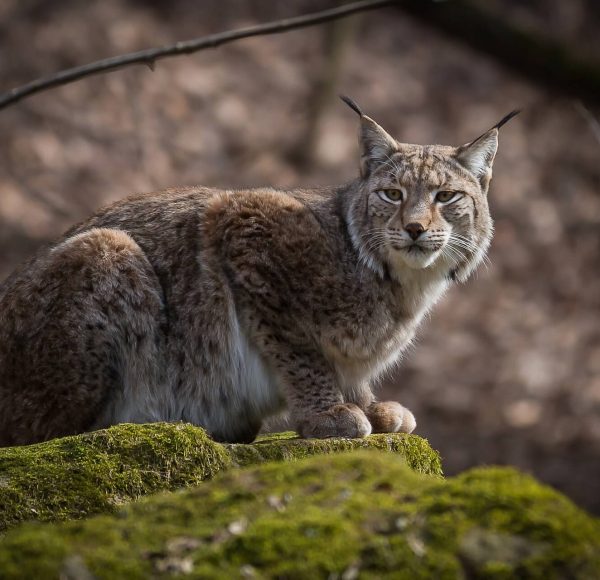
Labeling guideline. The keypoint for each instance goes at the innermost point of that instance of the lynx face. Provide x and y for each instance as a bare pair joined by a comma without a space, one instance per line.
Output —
425,209
422,207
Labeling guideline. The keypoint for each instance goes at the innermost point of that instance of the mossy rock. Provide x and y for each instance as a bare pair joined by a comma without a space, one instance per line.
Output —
96,472
363,514
289,447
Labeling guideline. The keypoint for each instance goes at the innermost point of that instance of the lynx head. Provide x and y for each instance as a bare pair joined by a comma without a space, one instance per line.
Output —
418,206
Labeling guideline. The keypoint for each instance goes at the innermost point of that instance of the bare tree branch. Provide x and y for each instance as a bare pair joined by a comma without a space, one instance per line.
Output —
149,56
540,59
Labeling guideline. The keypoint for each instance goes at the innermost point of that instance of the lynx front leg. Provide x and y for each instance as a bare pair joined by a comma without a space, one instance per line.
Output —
316,404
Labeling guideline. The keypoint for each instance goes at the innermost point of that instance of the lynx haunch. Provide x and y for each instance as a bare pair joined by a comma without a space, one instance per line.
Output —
222,307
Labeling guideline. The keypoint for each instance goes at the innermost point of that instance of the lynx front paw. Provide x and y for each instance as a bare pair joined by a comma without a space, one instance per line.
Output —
391,417
345,420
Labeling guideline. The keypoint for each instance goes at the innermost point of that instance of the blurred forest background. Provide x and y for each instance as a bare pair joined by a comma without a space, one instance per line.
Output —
507,369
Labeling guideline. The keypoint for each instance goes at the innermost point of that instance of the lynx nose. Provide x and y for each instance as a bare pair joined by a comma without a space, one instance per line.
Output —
414,229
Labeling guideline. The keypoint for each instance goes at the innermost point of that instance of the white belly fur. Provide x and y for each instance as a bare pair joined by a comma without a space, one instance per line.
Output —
251,391
254,387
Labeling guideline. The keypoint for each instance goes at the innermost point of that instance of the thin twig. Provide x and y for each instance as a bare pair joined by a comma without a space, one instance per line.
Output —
149,56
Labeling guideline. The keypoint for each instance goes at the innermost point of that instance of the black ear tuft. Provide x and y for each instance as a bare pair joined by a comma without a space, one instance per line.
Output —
506,119
352,105
499,124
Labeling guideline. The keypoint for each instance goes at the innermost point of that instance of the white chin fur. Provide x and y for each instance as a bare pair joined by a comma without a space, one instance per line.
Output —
415,259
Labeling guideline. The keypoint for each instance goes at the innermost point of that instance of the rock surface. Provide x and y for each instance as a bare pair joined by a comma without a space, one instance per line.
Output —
362,514
96,472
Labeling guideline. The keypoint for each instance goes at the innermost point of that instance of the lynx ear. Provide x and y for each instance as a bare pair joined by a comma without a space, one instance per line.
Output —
376,145
478,156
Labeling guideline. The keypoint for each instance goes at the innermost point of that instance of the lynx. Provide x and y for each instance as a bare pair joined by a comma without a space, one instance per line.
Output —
221,307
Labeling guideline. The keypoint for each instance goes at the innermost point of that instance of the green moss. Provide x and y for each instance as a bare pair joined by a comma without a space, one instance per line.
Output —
96,472
289,447
362,513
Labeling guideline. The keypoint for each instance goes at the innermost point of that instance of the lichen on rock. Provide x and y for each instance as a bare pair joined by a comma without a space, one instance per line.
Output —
363,514
93,473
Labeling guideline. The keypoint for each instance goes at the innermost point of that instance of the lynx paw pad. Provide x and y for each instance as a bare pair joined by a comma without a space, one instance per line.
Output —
391,417
346,420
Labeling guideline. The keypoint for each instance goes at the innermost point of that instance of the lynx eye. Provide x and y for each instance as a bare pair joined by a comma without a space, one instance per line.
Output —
446,196
392,195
